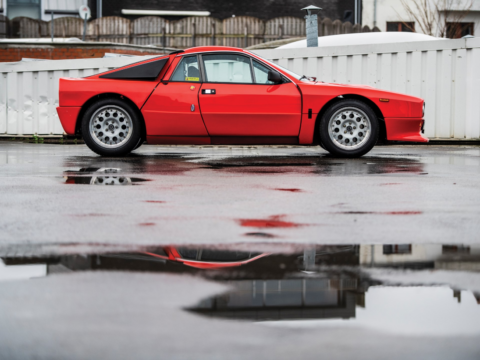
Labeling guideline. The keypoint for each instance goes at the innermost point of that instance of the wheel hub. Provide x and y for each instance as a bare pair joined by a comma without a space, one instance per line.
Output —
349,128
111,126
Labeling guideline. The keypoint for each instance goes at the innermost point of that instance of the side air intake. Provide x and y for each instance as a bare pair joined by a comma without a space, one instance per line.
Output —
148,71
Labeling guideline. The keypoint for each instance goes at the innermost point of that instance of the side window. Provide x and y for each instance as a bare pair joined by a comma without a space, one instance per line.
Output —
227,69
261,73
187,70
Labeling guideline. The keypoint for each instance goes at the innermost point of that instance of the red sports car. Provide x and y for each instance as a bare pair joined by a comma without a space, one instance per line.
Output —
223,95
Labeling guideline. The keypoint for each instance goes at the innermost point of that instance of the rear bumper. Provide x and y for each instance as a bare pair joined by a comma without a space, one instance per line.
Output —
405,129
68,117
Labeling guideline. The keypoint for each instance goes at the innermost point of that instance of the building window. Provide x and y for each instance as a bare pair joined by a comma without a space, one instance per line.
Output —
397,249
458,30
28,8
400,26
455,249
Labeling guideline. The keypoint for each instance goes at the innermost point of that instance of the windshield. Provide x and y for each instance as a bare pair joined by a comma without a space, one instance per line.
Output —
289,72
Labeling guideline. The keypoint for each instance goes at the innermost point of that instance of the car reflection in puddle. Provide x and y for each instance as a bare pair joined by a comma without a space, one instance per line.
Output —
178,163
99,176
325,285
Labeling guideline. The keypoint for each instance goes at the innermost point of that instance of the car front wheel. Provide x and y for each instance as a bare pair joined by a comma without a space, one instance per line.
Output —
349,128
111,127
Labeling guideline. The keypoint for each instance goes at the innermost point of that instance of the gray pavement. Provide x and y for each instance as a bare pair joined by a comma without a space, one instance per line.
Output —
81,235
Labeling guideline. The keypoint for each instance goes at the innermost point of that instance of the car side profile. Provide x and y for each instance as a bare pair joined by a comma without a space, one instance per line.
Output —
230,96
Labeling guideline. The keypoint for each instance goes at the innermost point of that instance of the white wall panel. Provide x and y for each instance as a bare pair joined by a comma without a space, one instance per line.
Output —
472,128
460,92
43,102
3,103
12,101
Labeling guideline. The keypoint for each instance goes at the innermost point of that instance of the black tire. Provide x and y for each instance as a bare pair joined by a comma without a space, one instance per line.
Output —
321,145
131,121
356,146
140,143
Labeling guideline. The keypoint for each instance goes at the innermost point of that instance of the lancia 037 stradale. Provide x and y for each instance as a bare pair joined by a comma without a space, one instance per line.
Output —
224,95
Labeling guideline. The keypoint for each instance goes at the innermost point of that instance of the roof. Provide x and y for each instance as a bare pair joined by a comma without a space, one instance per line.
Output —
362,39
211,48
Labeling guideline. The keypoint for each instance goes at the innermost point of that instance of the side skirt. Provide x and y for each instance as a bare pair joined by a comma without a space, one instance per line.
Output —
222,140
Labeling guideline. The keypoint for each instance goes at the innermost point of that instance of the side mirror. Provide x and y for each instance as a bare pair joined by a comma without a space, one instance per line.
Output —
275,77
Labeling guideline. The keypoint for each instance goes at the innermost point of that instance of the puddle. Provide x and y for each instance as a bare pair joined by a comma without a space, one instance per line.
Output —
409,311
21,272
100,176
314,286
321,165
180,163
277,221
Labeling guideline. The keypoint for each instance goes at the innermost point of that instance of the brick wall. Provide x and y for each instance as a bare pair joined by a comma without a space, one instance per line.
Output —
12,52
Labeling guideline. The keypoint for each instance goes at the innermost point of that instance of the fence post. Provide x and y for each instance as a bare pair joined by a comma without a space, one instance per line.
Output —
213,33
52,26
337,27
164,39
84,27
357,28
347,27
327,26
280,31
245,33
193,34
130,33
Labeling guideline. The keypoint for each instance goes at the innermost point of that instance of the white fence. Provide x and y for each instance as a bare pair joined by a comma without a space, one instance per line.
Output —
446,73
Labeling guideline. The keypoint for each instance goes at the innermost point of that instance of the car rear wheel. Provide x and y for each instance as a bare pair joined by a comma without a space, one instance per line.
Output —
111,127
349,128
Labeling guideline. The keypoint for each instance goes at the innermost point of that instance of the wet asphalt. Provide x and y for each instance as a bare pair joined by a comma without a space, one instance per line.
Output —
61,194
370,258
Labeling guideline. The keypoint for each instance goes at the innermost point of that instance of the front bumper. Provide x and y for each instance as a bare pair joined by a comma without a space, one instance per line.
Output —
405,129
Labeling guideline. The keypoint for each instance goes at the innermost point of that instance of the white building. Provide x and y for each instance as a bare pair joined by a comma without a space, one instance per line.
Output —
418,254
36,9
390,15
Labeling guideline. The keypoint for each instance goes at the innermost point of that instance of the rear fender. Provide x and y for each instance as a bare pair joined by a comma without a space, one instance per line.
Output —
91,101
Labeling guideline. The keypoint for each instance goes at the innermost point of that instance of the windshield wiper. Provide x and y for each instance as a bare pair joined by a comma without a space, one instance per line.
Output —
309,78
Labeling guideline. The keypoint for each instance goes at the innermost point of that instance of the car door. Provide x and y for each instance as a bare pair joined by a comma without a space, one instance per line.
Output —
236,99
172,109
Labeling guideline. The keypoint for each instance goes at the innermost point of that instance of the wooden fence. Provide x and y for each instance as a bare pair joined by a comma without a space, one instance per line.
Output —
240,31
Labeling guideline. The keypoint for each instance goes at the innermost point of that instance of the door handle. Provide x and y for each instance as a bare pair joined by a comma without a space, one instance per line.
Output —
208,91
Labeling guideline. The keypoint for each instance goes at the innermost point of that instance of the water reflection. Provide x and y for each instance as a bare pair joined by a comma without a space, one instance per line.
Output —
316,282
99,176
319,298
179,163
